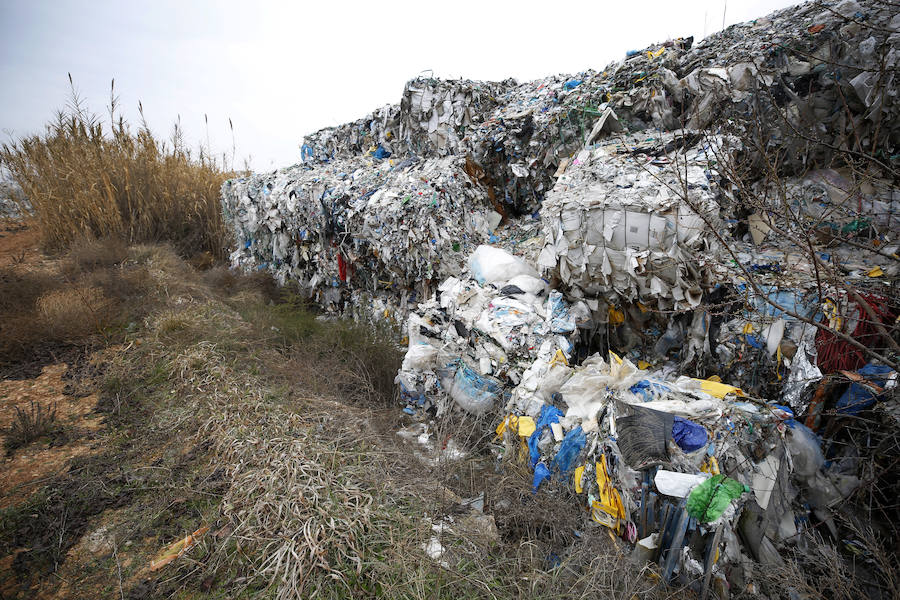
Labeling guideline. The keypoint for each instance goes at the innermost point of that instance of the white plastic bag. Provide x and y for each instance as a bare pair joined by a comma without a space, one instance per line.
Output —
677,485
495,265
419,356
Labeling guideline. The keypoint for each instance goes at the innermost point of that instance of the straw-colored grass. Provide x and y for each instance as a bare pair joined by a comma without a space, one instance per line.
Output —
87,178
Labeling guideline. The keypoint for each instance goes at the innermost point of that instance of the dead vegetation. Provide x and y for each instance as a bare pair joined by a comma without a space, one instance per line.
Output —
231,405
86,178
88,297
30,424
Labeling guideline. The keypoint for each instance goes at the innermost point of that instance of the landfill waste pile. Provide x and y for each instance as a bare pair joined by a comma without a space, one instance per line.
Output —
692,334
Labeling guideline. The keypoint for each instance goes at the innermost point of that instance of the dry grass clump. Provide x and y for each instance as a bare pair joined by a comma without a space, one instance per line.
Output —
86,254
20,329
92,293
74,312
29,425
84,178
229,282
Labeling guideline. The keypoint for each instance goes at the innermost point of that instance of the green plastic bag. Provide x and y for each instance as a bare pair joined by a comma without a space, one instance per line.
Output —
709,500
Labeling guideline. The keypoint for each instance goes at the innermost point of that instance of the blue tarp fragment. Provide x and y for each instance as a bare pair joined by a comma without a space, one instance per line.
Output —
857,397
541,472
549,414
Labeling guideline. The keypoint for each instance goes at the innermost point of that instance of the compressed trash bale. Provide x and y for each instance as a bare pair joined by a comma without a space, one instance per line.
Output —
613,225
354,226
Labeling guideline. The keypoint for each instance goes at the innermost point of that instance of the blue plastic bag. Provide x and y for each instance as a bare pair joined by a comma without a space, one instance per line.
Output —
688,435
569,450
380,153
649,390
549,414
541,472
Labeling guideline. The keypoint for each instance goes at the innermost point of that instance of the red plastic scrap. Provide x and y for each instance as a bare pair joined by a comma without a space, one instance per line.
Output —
342,267
835,354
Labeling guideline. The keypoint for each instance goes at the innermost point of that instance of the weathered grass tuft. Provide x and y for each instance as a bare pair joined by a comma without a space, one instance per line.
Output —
29,425
85,178
74,312
88,254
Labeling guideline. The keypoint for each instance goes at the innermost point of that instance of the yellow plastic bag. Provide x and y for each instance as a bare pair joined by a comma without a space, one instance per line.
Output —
608,509
718,389
579,473
616,316
559,359
510,421
526,426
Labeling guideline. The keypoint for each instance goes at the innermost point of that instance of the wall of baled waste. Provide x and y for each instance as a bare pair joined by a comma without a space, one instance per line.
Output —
575,260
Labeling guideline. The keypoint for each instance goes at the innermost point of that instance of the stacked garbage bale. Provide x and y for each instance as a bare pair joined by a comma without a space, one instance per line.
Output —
358,225
628,219
432,118
378,129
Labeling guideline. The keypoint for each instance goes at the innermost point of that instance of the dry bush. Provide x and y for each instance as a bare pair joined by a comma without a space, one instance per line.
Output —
84,178
97,292
339,359
229,282
87,255
74,312
20,288
867,568
20,329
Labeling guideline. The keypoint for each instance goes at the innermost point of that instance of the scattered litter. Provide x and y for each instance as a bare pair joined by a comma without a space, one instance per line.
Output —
177,549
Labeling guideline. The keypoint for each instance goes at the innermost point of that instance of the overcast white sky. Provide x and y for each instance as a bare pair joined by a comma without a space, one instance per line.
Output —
281,70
